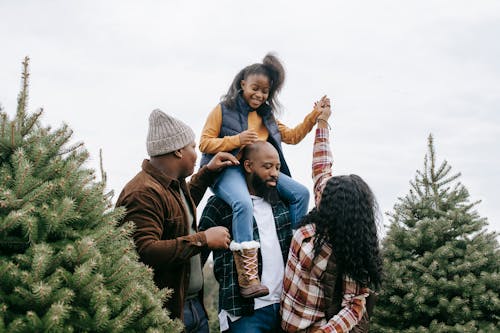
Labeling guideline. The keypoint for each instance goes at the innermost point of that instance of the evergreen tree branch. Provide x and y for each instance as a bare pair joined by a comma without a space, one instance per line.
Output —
22,99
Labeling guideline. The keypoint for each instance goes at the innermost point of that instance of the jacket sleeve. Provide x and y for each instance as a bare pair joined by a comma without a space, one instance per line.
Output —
199,182
353,308
322,162
146,211
208,219
210,143
295,135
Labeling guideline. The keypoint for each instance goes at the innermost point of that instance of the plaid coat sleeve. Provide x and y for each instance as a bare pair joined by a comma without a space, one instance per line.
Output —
353,308
322,162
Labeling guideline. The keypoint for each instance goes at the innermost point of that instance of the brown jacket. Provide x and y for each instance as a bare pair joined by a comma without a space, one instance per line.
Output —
153,202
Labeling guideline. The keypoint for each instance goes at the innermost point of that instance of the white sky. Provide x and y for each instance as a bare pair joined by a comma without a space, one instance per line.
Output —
396,70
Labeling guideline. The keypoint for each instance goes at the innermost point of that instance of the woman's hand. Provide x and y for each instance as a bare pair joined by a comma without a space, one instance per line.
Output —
324,106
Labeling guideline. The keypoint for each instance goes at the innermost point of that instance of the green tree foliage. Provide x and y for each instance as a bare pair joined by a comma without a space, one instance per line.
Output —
441,265
211,296
65,264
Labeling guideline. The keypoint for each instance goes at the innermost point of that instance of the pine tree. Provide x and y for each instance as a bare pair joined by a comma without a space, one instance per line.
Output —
65,263
441,265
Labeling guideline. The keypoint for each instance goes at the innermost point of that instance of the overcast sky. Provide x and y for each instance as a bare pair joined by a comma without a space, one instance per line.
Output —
397,71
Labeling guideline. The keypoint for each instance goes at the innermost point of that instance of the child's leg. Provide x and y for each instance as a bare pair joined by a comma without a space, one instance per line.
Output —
232,188
297,195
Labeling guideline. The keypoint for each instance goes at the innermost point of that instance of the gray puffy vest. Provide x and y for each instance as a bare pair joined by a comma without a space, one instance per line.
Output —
235,121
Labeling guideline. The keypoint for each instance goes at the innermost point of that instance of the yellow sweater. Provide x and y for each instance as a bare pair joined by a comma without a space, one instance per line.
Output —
210,143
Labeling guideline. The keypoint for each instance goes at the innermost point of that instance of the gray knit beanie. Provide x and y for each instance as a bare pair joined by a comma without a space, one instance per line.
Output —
167,134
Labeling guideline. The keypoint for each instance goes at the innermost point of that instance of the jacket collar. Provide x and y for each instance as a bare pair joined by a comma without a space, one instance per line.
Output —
162,178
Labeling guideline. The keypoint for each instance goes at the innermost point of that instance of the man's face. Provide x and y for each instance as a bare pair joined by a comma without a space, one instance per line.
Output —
188,160
263,168
263,189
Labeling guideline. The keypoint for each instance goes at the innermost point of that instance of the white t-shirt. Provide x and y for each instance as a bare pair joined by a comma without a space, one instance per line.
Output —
273,267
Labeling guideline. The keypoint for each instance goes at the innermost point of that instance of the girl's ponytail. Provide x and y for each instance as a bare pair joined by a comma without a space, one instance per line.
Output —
276,71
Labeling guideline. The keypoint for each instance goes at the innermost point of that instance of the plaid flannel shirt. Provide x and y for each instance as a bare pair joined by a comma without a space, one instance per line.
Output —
218,213
302,301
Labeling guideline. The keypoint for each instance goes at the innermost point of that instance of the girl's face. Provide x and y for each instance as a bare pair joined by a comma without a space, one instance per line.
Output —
255,89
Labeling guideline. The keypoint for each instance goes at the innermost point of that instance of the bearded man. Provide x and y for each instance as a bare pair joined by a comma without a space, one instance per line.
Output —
272,229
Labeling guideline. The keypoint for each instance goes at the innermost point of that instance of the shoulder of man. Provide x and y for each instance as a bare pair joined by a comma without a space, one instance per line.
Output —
142,184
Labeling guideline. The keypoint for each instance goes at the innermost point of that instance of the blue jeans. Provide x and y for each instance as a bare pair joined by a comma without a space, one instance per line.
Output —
195,318
231,187
263,320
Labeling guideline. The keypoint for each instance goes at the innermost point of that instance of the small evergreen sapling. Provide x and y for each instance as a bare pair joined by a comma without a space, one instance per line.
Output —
442,268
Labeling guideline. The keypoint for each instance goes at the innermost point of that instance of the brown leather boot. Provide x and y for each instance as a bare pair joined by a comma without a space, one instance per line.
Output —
247,267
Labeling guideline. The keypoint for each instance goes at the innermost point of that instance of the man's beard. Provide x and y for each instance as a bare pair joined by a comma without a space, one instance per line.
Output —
268,193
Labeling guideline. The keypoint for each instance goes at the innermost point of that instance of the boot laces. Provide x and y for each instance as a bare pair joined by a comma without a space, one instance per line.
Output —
250,265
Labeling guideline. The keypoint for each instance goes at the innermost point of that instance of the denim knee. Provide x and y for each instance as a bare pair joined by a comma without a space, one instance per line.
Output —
242,205
303,193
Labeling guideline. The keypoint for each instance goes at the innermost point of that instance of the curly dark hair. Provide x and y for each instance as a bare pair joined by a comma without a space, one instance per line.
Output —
346,219
270,67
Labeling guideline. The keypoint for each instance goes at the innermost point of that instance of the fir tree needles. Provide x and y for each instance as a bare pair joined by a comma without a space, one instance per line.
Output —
442,268
65,264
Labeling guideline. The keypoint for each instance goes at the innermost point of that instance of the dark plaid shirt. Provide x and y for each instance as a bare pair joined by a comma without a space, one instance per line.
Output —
218,213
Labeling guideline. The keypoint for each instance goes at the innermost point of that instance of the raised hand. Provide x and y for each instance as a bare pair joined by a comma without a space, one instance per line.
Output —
324,106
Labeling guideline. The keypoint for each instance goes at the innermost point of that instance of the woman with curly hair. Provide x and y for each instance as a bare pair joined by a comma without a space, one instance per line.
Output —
334,257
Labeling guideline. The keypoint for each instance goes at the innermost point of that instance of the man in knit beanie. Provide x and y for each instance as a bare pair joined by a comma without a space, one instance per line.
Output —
163,207
167,134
